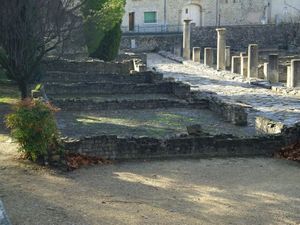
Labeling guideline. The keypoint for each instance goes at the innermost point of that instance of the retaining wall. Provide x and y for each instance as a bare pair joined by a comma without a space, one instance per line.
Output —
183,146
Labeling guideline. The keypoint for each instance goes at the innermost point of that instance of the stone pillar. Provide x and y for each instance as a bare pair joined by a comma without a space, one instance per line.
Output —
221,46
266,71
187,40
236,64
196,54
294,80
253,61
208,56
288,72
244,66
272,72
227,57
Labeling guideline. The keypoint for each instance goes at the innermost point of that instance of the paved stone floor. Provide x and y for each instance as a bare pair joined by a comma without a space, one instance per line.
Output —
264,102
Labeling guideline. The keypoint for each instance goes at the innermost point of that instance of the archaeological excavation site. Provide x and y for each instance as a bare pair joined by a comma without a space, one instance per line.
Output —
138,112
211,102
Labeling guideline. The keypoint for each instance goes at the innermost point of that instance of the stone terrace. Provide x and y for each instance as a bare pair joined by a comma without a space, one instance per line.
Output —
121,114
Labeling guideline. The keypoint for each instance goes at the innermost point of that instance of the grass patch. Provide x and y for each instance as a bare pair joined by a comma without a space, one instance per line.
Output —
152,123
9,93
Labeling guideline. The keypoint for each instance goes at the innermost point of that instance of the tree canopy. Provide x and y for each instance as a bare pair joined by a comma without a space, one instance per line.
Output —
100,17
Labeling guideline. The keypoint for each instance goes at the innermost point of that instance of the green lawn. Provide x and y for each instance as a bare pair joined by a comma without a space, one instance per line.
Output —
9,95
159,123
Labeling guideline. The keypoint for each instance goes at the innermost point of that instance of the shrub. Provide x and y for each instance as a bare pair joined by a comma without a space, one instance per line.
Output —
34,127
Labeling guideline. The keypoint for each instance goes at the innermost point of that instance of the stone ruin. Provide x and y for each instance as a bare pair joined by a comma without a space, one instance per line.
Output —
272,68
127,84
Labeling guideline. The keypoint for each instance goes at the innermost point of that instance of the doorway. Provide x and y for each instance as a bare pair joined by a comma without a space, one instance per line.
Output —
131,21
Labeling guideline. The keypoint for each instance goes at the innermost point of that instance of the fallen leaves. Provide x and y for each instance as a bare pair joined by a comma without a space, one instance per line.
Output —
75,161
291,152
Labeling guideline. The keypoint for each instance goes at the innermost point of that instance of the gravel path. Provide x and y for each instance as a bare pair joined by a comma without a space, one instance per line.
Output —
219,191
272,105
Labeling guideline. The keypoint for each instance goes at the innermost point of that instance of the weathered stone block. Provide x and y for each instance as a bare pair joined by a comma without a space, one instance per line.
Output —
268,126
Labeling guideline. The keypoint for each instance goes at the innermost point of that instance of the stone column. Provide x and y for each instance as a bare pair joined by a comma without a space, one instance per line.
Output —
227,57
295,73
266,71
208,56
187,40
221,46
272,72
288,72
236,64
253,61
196,54
244,66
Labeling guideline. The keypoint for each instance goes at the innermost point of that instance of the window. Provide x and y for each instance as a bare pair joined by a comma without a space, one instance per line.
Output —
150,17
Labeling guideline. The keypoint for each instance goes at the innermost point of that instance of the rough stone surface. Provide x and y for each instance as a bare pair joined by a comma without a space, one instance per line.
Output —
268,126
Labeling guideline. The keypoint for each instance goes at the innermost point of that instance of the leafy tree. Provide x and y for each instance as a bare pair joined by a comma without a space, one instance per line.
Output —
28,31
102,19
109,46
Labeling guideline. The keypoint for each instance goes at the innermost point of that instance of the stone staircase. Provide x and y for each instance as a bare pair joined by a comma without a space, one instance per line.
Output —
79,88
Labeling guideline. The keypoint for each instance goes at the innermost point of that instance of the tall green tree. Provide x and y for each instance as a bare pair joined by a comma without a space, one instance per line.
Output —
101,21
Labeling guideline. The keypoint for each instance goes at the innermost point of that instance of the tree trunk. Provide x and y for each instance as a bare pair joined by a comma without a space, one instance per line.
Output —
23,87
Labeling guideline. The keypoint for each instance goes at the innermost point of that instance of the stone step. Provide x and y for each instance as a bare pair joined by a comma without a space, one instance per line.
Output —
117,102
74,77
88,66
86,88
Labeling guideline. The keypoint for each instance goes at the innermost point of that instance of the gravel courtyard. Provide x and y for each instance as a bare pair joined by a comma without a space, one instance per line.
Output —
217,191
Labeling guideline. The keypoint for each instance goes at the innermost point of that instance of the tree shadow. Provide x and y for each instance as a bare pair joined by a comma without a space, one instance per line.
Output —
219,191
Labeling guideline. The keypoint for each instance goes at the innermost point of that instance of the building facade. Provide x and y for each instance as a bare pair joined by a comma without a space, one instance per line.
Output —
169,14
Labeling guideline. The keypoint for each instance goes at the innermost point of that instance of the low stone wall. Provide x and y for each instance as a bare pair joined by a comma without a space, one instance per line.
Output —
69,77
181,146
117,148
88,66
108,88
233,112
178,89
239,37
151,42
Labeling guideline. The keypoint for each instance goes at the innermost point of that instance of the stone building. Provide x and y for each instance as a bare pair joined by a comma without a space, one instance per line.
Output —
161,14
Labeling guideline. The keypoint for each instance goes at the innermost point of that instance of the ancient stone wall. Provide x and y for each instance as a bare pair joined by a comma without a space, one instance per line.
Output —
239,37
181,146
150,42
117,148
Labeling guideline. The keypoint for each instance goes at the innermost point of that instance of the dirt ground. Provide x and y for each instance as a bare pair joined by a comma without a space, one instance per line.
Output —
217,191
